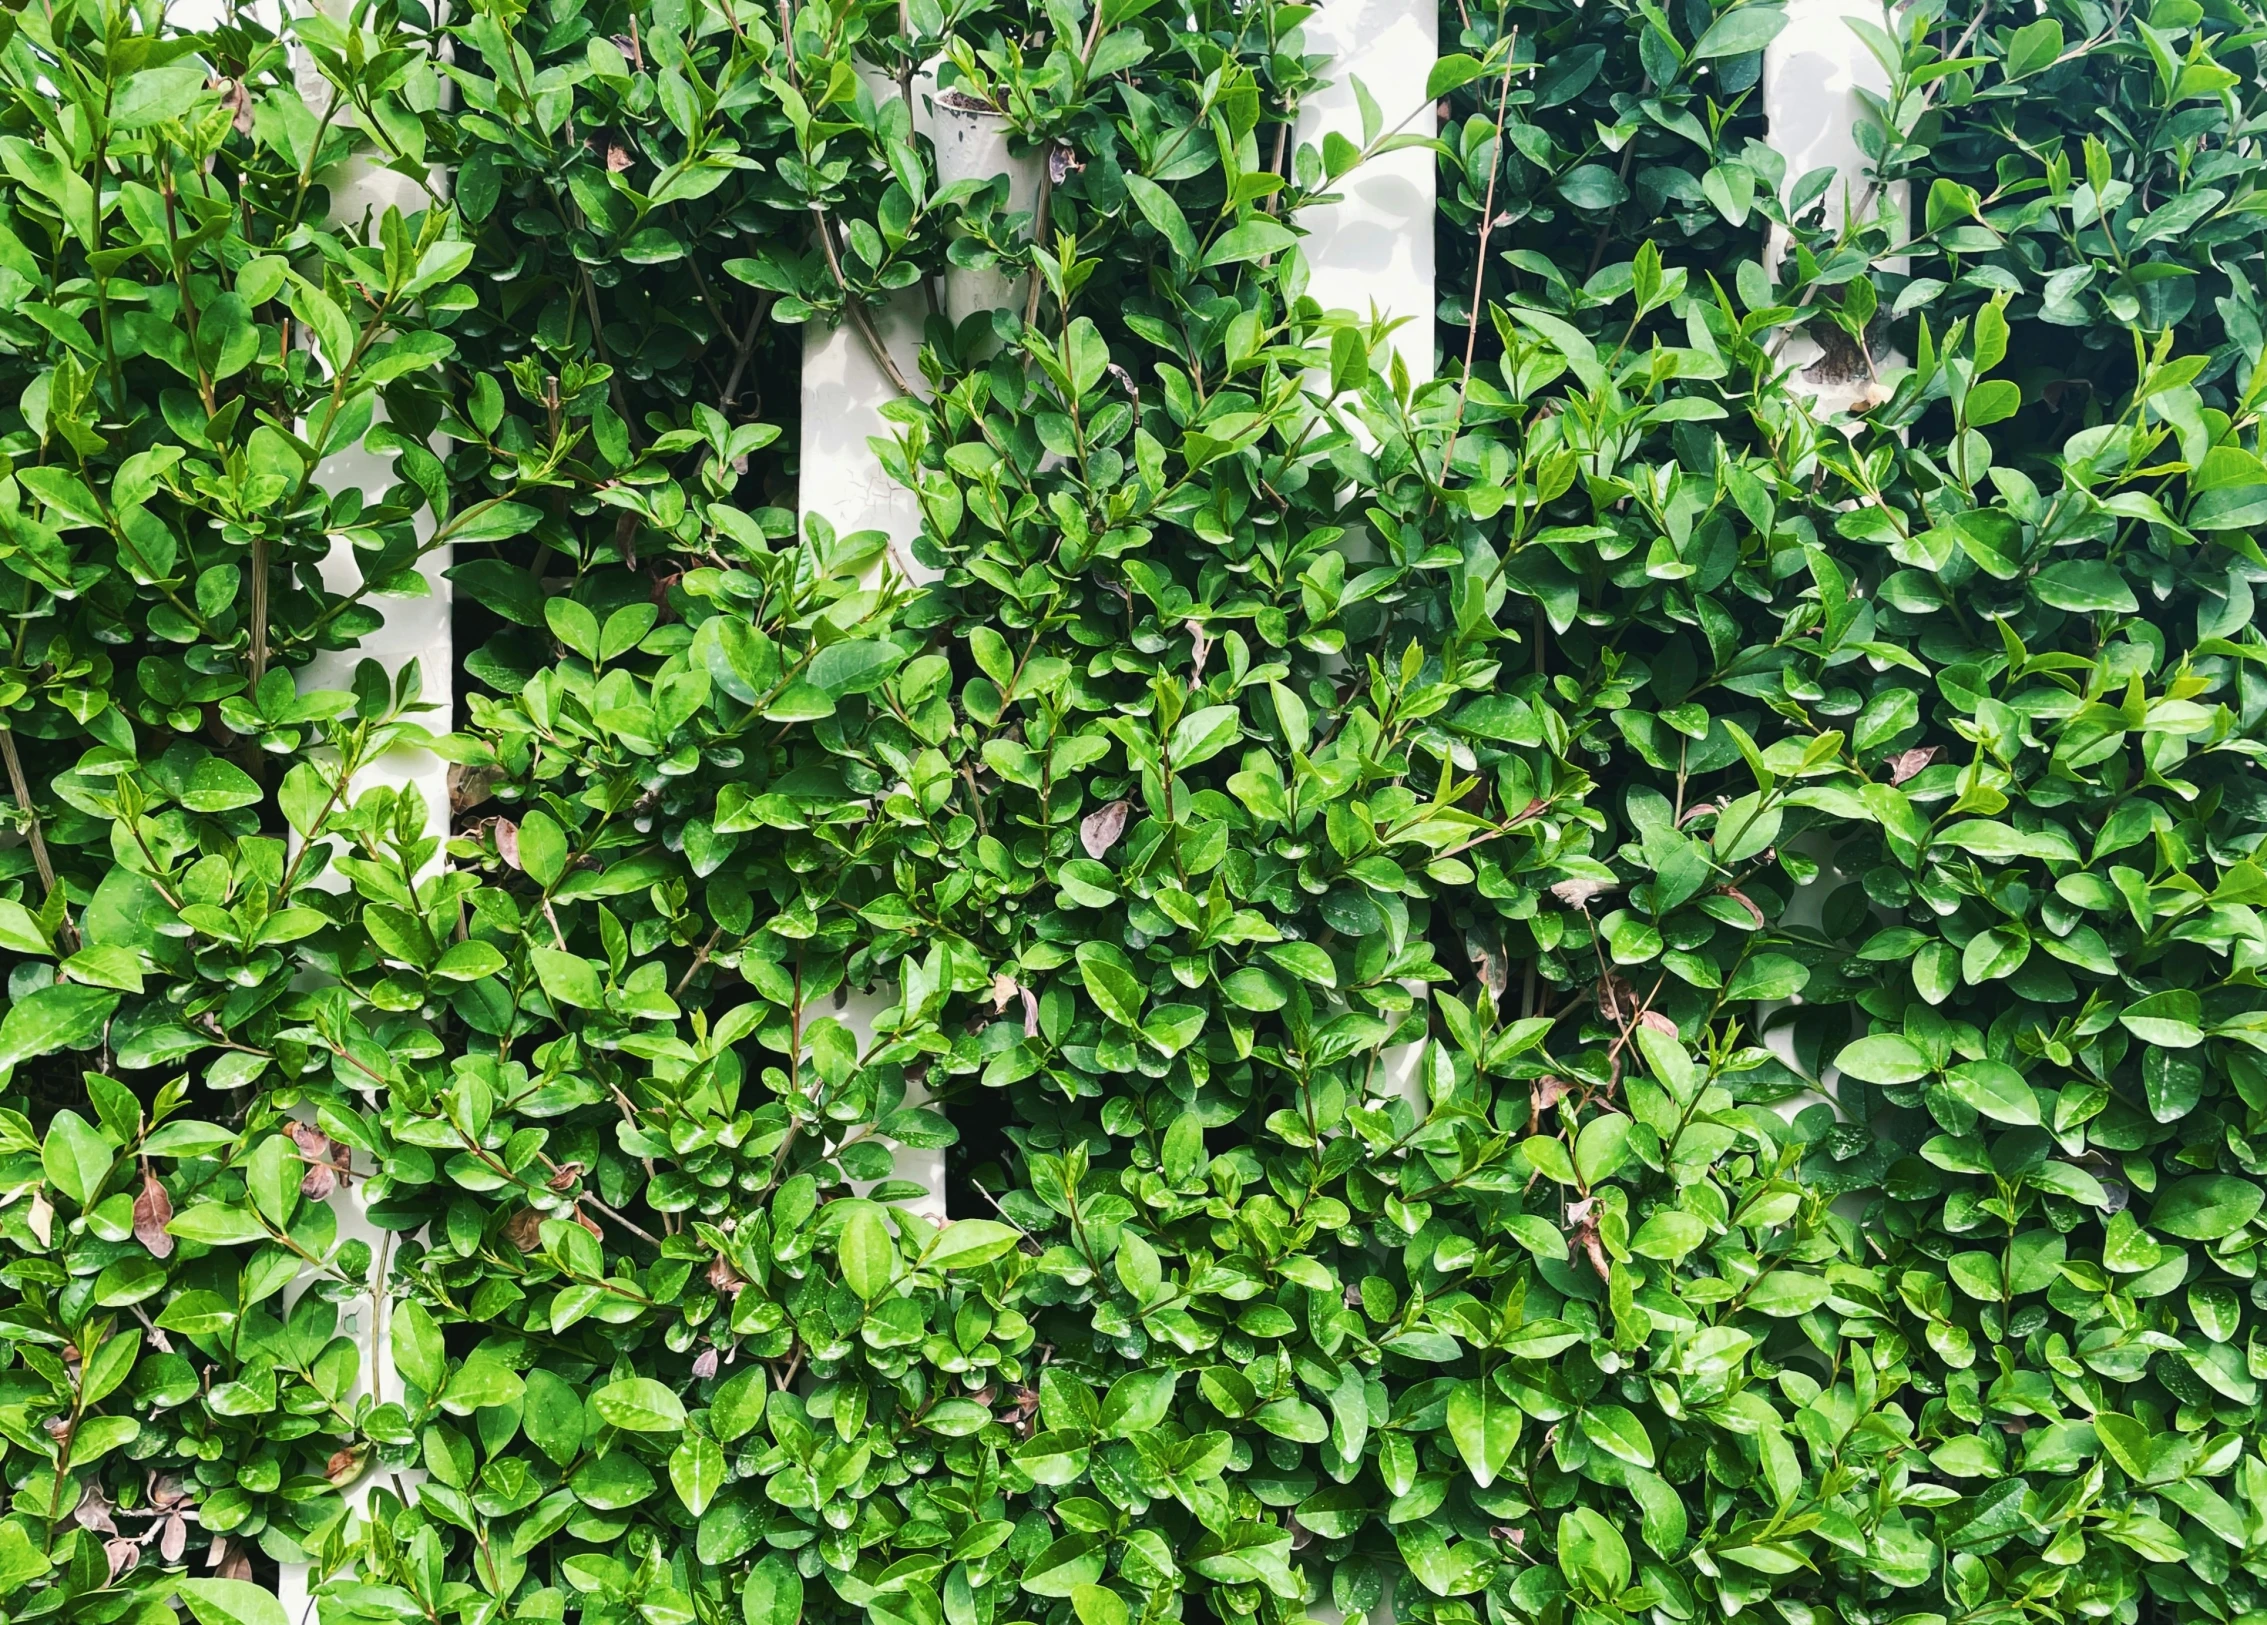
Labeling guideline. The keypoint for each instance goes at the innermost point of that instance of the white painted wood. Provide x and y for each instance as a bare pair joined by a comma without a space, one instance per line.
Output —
844,391
845,385
972,144
415,628
857,1010
1812,75
1374,249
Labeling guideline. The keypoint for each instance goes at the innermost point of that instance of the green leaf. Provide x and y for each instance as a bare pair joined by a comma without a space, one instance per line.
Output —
868,1252
967,1243
1202,735
1616,1430
639,1405
61,1016
2033,48
1996,1090
231,1602
419,1353
1484,1426
2206,1207
856,667
696,1471
1256,238
738,1405
2173,1019
77,1157
1884,1058
2084,585
569,978
1786,1293
772,1594
1110,979
217,1224
1743,29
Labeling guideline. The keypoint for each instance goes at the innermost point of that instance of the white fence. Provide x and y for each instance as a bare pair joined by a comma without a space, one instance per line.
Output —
1373,250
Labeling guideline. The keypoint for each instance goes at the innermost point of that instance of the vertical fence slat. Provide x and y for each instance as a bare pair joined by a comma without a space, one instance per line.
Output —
1375,248
1813,73
844,389
413,628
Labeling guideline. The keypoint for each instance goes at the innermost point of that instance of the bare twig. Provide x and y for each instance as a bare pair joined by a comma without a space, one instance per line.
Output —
1480,260
21,786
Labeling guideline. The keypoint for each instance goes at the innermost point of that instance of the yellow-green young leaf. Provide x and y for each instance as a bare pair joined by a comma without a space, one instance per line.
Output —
639,1405
1550,1158
1098,1605
772,1594
569,978
231,1602
868,1252
696,1471
966,1243
1484,1425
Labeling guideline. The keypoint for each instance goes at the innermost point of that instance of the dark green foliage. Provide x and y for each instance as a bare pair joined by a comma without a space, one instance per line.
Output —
1563,993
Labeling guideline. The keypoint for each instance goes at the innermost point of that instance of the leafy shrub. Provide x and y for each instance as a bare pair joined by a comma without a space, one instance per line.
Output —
1561,993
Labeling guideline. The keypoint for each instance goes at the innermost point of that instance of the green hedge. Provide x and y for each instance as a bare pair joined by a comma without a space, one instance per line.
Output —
1558,994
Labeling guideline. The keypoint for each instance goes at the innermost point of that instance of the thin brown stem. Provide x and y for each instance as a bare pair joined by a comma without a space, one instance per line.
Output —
1480,260
855,312
1043,209
21,786
257,658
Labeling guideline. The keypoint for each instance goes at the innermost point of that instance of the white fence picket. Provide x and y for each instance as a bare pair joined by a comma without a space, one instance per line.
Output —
1813,73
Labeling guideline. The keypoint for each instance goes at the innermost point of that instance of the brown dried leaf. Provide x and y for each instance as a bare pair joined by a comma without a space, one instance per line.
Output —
588,1223
704,1364
566,1175
470,784
173,1538
93,1512
1584,1217
1577,893
1030,1012
344,1466
1099,830
1658,1022
1494,968
1745,901
508,841
324,1160
153,1211
1004,988
524,1229
723,1278
1200,649
1906,763
40,1218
